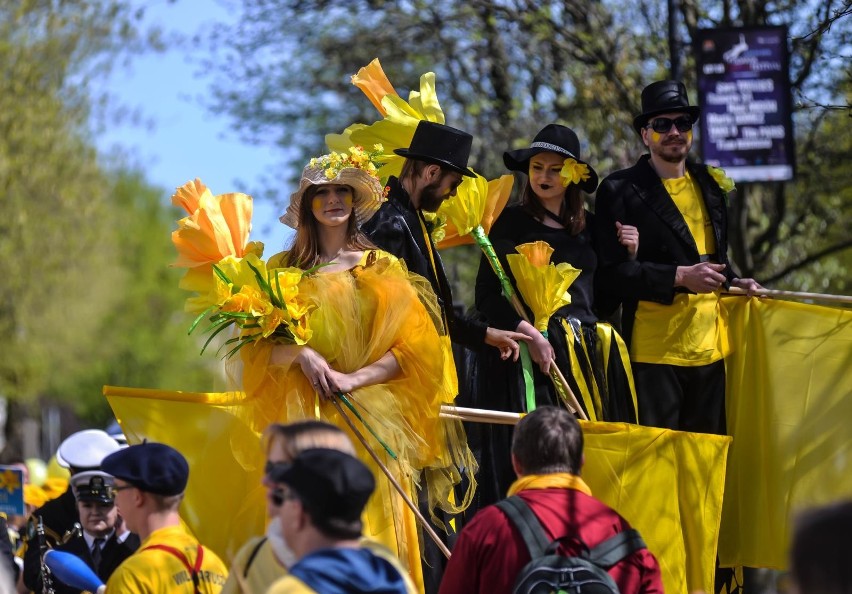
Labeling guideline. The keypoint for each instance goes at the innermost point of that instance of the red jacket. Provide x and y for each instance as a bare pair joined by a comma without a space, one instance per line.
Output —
490,552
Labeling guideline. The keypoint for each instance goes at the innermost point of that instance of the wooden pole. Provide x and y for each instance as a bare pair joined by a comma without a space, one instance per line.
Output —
792,295
423,522
480,415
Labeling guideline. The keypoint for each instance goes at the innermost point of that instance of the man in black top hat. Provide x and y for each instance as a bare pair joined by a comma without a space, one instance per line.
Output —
100,542
435,162
670,292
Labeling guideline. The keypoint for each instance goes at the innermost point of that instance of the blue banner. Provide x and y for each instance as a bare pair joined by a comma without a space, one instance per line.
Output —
744,94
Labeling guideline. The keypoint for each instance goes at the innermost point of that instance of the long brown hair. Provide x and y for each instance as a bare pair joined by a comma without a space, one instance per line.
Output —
304,253
572,213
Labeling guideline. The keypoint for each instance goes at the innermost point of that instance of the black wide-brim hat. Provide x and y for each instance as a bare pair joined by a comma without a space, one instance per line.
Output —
441,145
555,139
664,96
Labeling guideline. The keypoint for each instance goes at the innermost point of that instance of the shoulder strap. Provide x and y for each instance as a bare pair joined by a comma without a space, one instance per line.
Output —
251,557
192,569
616,548
527,524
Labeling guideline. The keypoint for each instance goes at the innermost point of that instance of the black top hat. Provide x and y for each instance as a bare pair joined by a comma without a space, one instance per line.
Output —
555,139
150,467
664,96
334,484
440,144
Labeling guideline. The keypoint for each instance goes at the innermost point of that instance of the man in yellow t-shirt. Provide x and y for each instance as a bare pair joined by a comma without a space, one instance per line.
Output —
671,314
150,479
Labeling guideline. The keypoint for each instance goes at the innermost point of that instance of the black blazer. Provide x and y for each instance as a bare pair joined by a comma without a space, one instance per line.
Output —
637,196
113,554
396,229
59,517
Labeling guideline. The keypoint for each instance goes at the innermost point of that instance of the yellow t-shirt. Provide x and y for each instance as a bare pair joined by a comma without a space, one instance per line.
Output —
155,571
692,330
264,569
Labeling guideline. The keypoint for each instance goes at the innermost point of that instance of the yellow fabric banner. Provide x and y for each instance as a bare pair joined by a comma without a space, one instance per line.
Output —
789,410
668,485
220,449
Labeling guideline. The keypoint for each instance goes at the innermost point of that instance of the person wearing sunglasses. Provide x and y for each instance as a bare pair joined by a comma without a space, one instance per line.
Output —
671,314
264,559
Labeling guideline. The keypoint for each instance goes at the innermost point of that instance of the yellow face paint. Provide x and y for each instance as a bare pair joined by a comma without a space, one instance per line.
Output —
348,200
316,203
655,136
688,135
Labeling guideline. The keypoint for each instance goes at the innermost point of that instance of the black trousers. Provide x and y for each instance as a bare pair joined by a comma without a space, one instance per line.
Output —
682,398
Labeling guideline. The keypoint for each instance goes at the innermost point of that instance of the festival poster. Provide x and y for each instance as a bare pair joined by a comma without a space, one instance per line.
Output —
11,491
744,93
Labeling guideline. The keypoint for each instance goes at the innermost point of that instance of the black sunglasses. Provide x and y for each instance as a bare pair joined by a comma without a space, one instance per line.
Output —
663,125
280,495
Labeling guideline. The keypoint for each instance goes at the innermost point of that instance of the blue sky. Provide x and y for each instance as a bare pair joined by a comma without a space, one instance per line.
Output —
184,140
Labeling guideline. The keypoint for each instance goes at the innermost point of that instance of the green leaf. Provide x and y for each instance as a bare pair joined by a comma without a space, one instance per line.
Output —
201,316
222,275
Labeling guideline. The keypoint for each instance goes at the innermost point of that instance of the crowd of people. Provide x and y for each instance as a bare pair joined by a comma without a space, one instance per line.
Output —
656,244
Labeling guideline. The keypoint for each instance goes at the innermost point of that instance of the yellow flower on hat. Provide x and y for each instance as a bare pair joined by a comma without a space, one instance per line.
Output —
544,286
725,182
573,172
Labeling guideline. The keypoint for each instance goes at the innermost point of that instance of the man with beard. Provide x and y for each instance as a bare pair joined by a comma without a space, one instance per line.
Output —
671,316
435,162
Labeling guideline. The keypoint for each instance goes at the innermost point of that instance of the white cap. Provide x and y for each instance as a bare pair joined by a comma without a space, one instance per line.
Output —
85,449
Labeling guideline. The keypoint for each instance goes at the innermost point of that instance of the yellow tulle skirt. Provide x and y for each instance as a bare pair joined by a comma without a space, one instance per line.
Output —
361,314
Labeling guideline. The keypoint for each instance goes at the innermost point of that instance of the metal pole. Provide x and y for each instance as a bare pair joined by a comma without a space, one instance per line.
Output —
674,46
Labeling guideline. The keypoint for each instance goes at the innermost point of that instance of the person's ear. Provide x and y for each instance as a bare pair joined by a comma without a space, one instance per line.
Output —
644,132
431,173
516,466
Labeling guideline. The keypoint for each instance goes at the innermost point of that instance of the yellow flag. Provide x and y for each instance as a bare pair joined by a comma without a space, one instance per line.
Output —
208,429
789,406
668,485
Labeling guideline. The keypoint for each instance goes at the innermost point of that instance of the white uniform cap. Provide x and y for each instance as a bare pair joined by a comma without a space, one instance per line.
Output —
85,449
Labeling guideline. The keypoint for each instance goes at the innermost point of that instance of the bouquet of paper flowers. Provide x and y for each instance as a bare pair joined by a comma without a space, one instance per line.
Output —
232,285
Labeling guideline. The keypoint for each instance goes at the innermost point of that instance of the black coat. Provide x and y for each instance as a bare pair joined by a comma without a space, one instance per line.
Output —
637,196
113,554
396,229
59,516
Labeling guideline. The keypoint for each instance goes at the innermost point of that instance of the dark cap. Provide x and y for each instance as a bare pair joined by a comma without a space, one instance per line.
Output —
92,486
150,467
334,484
441,145
664,96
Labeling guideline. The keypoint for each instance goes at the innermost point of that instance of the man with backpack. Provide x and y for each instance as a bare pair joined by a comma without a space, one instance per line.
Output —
550,534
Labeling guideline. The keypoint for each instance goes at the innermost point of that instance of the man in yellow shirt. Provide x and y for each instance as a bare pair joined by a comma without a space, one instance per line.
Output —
150,479
671,318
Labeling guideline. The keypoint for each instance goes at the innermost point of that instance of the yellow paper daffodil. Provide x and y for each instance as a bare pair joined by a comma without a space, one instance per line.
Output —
217,226
573,172
373,81
478,202
248,300
400,117
543,286
725,182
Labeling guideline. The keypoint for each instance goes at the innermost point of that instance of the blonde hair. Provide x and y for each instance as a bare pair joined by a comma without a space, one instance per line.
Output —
299,436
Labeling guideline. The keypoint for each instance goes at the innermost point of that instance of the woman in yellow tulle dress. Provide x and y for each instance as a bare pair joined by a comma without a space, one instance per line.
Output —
372,336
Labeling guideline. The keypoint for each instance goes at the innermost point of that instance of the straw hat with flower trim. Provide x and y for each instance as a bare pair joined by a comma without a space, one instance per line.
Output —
339,169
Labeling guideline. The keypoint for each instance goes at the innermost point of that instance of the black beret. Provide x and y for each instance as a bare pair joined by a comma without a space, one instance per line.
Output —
150,467
335,484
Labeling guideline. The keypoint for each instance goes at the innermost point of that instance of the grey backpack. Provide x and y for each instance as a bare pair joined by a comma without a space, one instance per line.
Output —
551,573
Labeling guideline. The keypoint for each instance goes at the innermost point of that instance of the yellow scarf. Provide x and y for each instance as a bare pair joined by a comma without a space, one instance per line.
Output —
559,480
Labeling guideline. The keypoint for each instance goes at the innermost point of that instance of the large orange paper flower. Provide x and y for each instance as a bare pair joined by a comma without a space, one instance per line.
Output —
216,226
544,286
